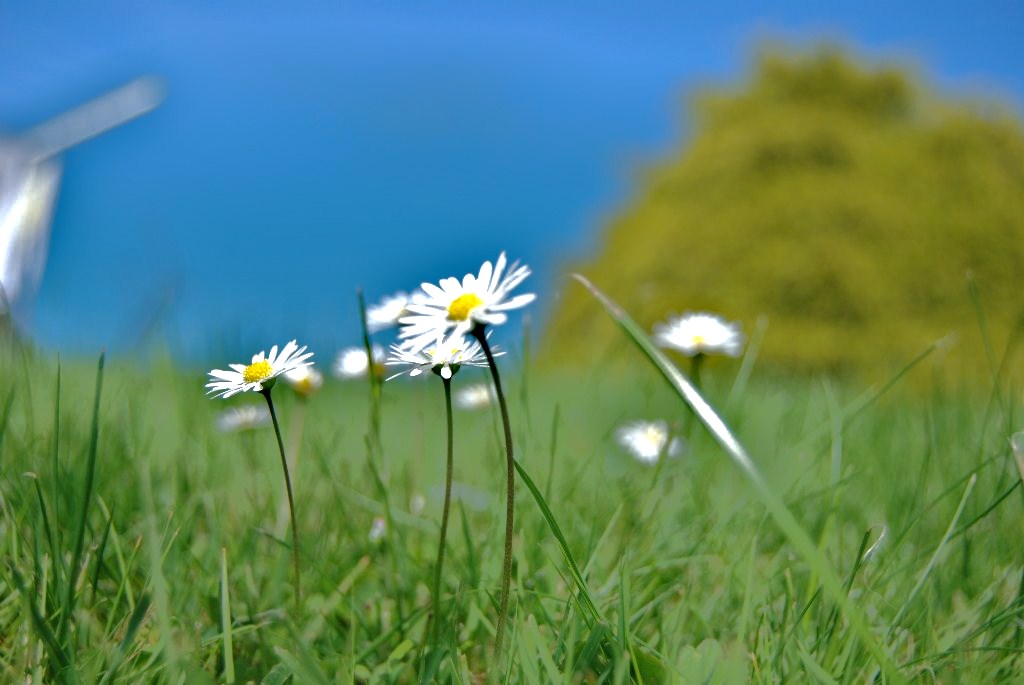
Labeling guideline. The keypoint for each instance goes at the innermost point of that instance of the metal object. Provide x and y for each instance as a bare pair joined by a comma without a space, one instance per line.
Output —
30,178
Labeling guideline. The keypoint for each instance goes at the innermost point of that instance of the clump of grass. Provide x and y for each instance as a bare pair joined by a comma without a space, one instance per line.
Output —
691,581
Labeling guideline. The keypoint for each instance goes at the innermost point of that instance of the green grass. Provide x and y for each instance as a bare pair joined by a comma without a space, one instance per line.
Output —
180,569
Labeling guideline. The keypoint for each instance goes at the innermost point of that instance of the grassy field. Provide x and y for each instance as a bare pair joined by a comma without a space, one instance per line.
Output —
180,569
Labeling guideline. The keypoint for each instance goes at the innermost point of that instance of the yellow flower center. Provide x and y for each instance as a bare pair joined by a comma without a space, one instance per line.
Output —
257,371
699,340
461,307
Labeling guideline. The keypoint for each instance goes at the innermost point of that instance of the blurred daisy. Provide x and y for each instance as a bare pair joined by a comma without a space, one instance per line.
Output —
387,312
261,374
477,300
696,333
378,530
242,418
647,440
444,357
304,380
353,363
474,396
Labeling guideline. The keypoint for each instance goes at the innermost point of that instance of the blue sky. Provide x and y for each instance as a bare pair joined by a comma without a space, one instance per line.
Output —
304,150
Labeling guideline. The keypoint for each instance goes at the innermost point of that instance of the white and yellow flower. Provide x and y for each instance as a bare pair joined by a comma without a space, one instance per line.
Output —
444,357
352,362
259,375
647,441
386,313
304,380
242,418
696,333
476,300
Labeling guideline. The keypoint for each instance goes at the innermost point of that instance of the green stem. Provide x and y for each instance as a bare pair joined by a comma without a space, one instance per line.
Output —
444,512
690,430
291,500
695,365
510,502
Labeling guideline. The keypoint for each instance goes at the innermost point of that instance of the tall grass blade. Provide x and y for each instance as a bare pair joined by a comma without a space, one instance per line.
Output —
54,648
90,476
56,482
776,507
134,623
938,551
225,619
563,544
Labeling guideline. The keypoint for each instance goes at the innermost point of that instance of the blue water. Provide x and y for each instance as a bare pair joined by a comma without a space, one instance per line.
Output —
302,153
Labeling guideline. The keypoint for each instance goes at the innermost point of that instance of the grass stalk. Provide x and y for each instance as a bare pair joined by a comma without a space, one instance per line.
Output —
90,478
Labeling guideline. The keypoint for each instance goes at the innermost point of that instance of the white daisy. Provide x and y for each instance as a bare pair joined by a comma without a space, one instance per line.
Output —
242,418
647,440
387,312
477,300
474,396
696,333
261,373
444,357
304,380
353,363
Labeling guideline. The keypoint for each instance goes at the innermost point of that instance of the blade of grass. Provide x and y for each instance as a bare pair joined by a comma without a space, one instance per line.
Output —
225,619
935,557
53,646
55,501
577,576
134,623
90,476
775,505
46,526
747,365
100,551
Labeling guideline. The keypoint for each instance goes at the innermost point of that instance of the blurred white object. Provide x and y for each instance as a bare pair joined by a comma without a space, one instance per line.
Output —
245,417
474,396
378,530
30,177
387,312
352,362
648,441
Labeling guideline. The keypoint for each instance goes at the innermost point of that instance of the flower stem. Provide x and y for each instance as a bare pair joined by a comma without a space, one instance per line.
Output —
695,365
510,501
291,500
444,512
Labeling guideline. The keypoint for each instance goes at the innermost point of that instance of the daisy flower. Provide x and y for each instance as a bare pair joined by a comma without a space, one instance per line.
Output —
353,363
474,396
386,313
261,374
696,333
647,440
304,380
242,418
476,301
444,357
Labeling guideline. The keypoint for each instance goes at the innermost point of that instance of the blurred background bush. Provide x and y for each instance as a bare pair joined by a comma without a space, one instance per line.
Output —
845,202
